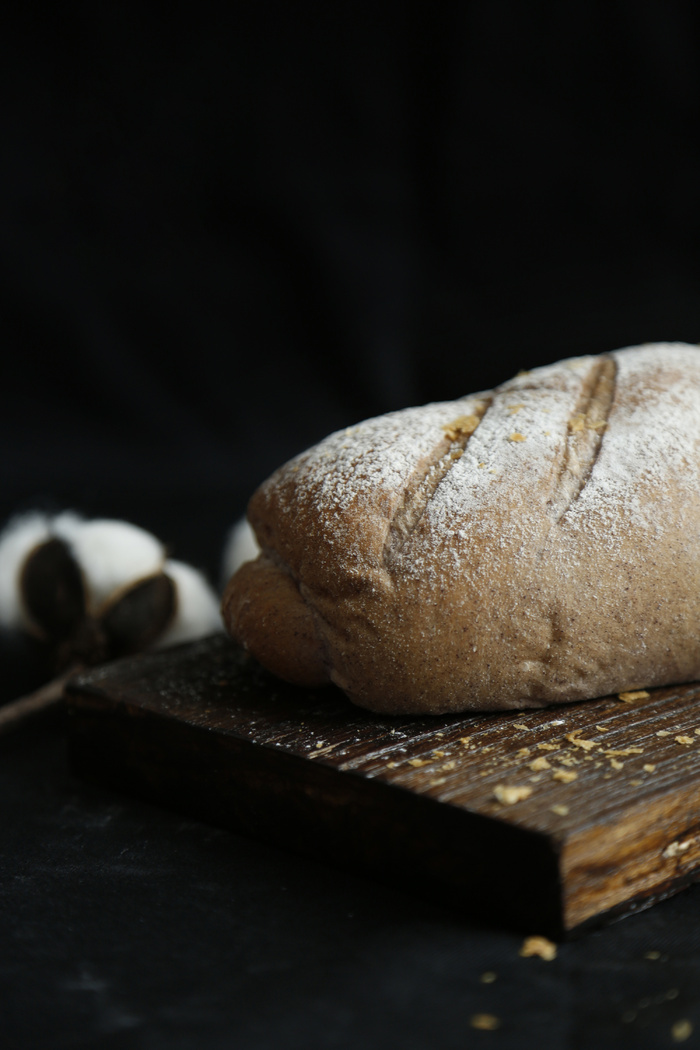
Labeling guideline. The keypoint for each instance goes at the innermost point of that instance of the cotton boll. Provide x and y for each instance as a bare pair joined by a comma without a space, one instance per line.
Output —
197,608
111,555
21,536
241,546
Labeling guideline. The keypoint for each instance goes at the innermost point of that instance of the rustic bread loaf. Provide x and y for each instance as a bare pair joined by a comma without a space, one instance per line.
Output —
535,544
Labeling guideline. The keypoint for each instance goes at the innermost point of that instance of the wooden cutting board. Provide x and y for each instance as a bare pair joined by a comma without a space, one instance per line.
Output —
542,821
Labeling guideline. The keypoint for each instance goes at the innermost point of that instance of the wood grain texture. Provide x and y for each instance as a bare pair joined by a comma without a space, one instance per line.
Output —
607,817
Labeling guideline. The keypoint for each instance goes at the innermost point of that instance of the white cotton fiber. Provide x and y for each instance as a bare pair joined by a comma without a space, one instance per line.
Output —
111,554
197,611
241,546
17,541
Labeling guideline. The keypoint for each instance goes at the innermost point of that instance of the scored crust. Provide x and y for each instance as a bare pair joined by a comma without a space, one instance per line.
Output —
529,545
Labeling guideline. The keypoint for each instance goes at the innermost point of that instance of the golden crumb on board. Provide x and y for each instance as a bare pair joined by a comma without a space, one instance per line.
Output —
616,764
624,752
523,752
684,740
439,754
636,694
636,783
575,739
465,740
437,781
564,775
517,437
663,732
548,747
676,848
519,725
561,811
391,765
447,766
649,767
417,762
540,946
539,763
508,795
488,977
681,1030
602,729
487,1022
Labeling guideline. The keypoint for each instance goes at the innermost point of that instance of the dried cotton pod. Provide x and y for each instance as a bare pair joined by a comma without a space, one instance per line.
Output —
91,590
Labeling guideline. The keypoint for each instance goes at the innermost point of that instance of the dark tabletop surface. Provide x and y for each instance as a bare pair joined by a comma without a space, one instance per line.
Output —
124,925
221,237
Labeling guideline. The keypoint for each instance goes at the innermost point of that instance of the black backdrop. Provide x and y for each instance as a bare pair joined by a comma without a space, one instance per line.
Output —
226,234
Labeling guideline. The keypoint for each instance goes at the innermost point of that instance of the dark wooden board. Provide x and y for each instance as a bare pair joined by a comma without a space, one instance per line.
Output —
611,823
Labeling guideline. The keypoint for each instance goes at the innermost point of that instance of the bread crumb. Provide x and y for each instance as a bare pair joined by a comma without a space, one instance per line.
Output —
663,732
684,740
487,1022
438,781
540,946
466,740
636,783
676,848
463,426
616,764
523,752
602,729
577,423
517,437
509,795
561,811
417,762
576,740
447,766
637,694
564,775
391,765
488,977
681,1030
520,725
538,764
649,767
439,754
548,747
623,752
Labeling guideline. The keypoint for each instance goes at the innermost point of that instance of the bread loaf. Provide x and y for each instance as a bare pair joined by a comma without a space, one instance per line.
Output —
534,544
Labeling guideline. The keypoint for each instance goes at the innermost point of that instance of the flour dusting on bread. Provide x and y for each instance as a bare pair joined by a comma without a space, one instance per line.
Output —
533,544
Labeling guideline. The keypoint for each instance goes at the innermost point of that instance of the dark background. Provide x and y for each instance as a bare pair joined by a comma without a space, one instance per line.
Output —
223,235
